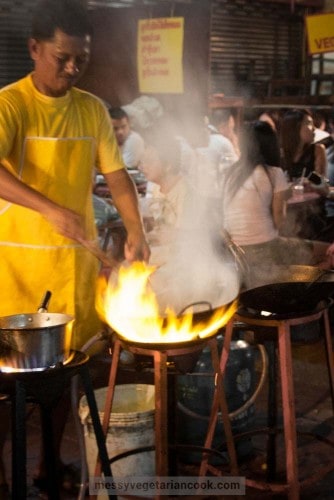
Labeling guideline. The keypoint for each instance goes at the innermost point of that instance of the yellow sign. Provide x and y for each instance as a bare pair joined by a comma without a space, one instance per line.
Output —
160,55
320,33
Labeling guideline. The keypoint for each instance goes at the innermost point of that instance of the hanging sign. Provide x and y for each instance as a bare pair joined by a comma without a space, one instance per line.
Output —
320,33
160,55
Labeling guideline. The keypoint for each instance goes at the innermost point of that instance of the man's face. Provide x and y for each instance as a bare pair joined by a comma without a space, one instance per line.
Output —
122,129
59,62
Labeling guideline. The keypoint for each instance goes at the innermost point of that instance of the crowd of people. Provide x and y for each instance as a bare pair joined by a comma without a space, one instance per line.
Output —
267,157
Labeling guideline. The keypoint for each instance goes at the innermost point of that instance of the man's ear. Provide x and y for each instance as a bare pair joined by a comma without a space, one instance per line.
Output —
33,47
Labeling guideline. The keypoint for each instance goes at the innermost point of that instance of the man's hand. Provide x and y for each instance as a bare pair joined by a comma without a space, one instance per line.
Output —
136,247
66,222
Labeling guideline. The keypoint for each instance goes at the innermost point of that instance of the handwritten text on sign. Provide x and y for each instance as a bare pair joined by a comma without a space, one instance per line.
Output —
320,33
160,54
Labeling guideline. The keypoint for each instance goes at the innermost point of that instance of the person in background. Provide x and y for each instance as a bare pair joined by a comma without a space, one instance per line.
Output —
224,122
273,117
320,123
52,137
220,149
129,141
300,154
163,209
305,162
254,196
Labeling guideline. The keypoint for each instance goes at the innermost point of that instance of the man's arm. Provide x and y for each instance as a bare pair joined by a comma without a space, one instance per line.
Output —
124,195
65,221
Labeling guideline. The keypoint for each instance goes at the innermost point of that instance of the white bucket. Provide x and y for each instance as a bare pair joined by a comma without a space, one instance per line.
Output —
131,425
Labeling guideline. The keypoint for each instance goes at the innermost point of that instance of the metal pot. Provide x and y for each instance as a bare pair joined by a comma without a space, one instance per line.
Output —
34,341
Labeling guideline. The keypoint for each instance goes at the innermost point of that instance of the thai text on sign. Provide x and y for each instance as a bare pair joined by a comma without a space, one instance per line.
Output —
160,55
320,33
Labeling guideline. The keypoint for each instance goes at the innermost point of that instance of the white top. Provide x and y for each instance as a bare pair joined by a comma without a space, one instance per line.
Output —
166,212
247,216
222,149
167,209
132,150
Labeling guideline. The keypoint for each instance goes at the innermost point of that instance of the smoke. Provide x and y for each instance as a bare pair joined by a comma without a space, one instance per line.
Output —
197,266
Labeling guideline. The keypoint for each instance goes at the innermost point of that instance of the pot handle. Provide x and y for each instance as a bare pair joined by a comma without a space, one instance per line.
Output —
43,307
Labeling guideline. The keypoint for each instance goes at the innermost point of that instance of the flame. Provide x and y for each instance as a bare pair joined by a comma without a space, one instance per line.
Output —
129,306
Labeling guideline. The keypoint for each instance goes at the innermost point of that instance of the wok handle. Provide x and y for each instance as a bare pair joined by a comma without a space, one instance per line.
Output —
43,307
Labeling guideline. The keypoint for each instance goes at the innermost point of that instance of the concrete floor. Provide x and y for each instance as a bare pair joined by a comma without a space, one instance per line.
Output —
314,411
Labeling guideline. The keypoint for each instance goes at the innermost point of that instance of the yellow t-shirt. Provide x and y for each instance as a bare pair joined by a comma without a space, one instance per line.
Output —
53,145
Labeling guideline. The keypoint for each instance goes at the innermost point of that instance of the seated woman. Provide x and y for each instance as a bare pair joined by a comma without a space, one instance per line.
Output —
301,155
305,161
255,191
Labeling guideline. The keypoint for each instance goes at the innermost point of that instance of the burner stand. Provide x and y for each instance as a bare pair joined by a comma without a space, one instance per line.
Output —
161,356
46,388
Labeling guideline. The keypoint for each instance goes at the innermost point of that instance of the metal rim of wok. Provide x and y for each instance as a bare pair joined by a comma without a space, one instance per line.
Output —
286,300
294,273
198,317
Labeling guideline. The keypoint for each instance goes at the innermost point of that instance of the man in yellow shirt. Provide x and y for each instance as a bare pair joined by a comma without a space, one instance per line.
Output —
52,136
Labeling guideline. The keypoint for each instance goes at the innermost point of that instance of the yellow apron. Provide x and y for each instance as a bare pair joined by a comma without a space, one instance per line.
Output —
34,258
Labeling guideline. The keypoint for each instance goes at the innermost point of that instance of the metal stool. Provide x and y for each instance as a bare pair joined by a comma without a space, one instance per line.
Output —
46,387
281,328
161,354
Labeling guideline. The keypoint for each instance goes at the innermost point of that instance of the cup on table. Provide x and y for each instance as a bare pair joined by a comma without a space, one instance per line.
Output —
298,190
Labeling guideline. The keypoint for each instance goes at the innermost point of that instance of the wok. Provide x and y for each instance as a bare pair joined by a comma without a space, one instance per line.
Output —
285,274
204,314
286,299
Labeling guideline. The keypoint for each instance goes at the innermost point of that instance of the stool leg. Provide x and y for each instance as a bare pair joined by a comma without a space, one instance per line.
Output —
219,401
289,413
19,452
99,434
272,410
329,353
109,396
161,431
49,457
111,385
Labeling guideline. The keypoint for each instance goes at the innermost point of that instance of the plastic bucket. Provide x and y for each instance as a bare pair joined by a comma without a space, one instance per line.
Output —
131,425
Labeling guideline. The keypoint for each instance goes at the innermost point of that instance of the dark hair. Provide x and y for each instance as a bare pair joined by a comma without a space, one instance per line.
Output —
118,113
259,146
290,133
69,16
